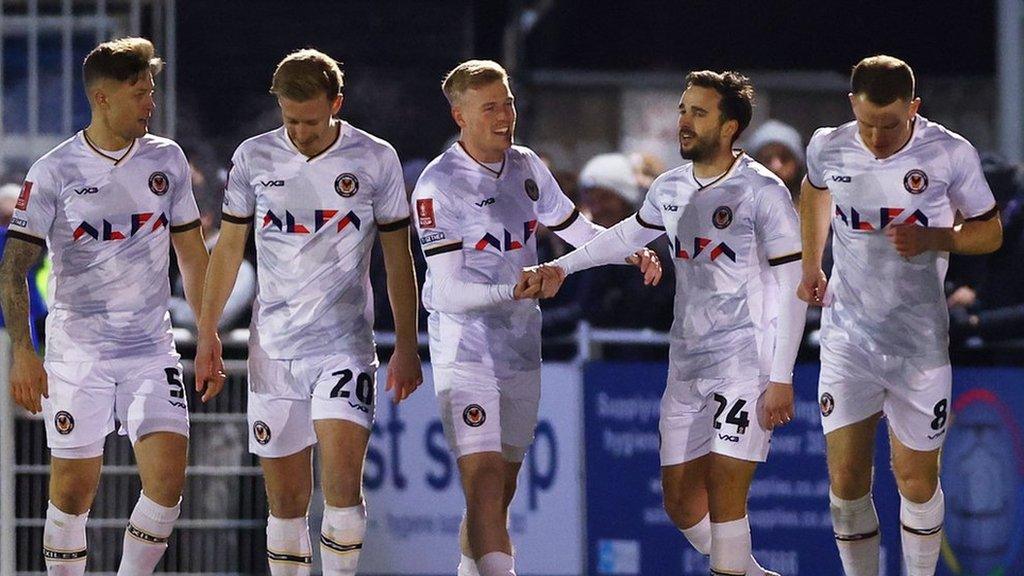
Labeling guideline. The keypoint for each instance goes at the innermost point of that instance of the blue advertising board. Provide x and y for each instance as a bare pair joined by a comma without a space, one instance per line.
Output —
629,533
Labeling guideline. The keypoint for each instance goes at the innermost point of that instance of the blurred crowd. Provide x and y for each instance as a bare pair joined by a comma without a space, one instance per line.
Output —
985,294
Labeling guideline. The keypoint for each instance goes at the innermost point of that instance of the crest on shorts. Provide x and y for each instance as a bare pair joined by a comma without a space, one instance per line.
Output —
158,183
915,181
722,217
827,404
474,415
531,189
346,185
64,422
261,432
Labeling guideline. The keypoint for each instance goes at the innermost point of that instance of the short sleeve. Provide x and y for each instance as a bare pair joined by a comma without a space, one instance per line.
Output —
436,217
777,225
815,169
184,212
239,194
554,209
969,192
36,207
390,205
649,215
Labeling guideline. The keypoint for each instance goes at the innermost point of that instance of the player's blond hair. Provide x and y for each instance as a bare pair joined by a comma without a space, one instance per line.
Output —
306,74
471,74
123,60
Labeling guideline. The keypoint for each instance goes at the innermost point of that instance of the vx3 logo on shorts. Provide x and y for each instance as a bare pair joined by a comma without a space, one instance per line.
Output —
699,244
529,229
320,219
359,407
139,220
886,216
729,438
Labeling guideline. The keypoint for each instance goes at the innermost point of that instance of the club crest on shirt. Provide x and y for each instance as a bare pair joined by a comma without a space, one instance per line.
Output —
827,404
261,432
916,181
474,416
64,422
346,185
158,183
722,217
531,189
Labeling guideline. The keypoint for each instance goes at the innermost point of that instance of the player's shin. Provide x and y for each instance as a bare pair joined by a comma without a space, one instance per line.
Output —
341,539
64,547
289,551
855,523
921,535
145,538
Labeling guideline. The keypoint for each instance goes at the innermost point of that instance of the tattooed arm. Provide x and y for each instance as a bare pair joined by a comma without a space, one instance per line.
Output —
28,379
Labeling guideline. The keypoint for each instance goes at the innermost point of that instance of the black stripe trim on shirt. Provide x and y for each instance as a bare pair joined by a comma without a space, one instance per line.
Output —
324,151
396,225
442,249
720,573
815,186
647,225
925,532
565,223
986,216
26,237
785,259
338,547
185,227
295,558
497,173
146,537
856,537
99,151
236,219
64,555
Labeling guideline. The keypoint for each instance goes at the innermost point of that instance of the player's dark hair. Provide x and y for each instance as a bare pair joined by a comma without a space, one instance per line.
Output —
737,94
883,80
123,60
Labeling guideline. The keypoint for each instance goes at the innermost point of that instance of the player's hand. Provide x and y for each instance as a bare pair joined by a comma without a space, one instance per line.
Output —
405,373
210,375
28,380
812,288
909,239
649,264
777,405
529,285
551,279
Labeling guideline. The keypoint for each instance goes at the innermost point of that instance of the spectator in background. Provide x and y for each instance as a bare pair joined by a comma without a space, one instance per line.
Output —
780,148
611,296
986,297
36,304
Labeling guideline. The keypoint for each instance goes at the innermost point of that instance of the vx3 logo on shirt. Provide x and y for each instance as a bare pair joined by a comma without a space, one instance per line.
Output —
886,216
486,202
529,229
271,183
320,219
86,190
699,244
139,221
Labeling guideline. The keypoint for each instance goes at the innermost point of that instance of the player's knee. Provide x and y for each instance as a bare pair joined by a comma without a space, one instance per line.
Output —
342,490
683,511
915,485
288,503
72,497
848,480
